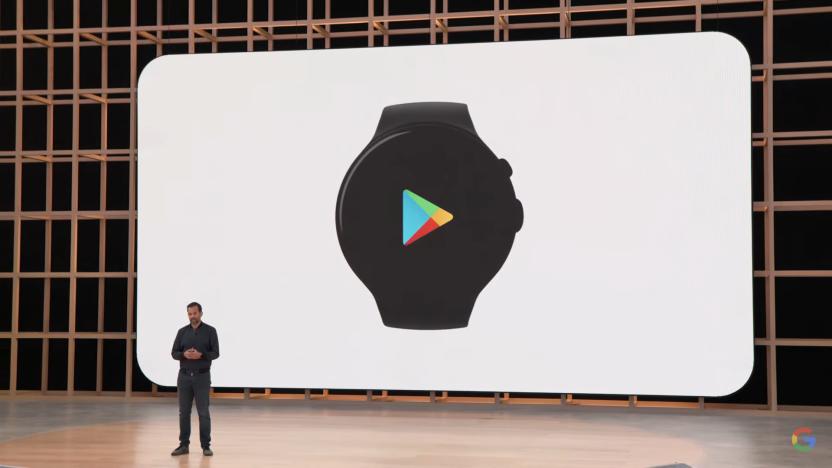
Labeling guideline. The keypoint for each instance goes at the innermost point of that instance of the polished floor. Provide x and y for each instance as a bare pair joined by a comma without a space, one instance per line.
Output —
110,431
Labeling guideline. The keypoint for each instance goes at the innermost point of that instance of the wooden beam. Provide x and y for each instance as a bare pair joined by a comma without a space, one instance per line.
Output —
803,142
38,39
95,156
93,38
94,97
380,27
38,157
263,32
149,37
803,76
320,30
94,216
38,98
205,34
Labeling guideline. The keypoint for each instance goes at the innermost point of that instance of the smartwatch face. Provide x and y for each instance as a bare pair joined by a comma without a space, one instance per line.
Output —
426,217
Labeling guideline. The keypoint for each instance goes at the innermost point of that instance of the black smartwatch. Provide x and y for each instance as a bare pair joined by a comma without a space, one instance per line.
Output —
426,215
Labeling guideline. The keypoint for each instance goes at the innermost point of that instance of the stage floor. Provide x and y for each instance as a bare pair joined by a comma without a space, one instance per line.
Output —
112,431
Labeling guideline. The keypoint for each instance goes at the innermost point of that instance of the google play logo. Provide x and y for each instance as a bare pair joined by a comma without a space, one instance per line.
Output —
420,217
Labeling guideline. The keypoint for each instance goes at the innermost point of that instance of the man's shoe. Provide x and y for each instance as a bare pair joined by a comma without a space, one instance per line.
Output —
207,452
181,450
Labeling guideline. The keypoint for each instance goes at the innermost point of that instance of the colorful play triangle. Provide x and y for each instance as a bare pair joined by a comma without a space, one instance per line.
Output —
420,217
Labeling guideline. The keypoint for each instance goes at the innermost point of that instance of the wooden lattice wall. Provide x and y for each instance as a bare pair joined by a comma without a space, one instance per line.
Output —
68,75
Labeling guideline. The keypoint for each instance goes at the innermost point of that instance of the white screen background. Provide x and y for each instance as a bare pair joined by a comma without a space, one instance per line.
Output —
632,273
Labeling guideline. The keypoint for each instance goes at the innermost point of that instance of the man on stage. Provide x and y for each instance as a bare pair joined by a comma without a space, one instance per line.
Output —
195,346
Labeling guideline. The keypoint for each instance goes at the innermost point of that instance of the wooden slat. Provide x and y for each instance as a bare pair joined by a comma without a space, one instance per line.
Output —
150,37
320,30
37,39
38,98
93,156
768,196
96,98
94,38
205,34
380,27
263,32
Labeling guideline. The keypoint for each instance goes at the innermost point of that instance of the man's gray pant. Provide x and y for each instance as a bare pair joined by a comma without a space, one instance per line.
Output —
190,386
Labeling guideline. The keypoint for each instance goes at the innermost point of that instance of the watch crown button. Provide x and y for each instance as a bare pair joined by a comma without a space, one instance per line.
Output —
519,215
506,167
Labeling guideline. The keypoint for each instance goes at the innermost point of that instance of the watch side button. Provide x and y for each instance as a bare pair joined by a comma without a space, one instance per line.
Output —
519,215
505,167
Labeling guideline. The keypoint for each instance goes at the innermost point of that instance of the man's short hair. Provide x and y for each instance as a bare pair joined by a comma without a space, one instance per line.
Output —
195,304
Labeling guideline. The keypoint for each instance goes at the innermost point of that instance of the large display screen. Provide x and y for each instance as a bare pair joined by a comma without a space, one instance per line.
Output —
553,216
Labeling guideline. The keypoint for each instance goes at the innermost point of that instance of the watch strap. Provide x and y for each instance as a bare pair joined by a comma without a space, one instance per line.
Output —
403,115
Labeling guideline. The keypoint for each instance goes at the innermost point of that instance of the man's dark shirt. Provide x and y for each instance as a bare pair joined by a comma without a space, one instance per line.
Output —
202,338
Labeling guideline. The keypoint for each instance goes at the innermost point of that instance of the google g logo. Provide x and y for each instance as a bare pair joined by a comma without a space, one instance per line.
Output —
803,440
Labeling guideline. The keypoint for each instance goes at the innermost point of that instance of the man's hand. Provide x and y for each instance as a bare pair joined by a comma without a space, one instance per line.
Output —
192,354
